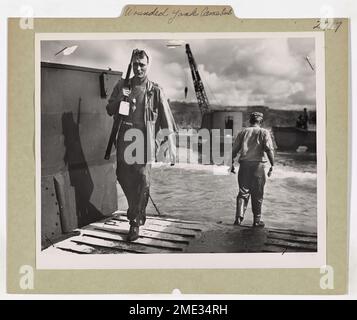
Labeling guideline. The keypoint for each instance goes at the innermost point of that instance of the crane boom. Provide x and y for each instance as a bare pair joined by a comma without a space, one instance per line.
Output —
201,95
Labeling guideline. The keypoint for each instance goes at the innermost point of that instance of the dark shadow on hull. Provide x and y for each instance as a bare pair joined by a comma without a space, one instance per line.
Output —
79,173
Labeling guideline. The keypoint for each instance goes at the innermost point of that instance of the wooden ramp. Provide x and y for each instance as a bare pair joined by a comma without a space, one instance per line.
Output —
278,240
158,235
226,238
168,235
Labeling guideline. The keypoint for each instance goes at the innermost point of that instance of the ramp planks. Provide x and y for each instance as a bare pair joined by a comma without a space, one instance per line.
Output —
169,235
158,235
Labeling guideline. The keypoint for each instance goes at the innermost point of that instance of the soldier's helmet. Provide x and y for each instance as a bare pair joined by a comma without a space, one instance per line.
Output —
256,117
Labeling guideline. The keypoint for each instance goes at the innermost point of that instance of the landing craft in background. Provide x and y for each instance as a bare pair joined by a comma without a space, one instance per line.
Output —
292,138
212,118
218,117
229,121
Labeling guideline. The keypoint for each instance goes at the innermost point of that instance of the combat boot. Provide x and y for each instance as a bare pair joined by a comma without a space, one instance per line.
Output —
257,223
133,233
141,219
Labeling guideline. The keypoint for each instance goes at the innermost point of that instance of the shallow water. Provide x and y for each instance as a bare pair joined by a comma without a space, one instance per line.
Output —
204,192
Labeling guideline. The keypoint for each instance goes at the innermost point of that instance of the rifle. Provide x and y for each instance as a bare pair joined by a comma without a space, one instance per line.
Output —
122,111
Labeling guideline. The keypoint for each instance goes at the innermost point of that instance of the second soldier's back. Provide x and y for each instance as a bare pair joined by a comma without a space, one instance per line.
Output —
252,143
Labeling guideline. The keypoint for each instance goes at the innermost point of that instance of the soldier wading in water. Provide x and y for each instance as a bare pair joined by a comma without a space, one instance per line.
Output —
251,145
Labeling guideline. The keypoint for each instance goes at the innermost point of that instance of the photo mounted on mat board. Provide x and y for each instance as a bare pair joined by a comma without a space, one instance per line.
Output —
182,148
178,148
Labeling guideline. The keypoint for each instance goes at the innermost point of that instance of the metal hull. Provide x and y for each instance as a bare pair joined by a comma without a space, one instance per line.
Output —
291,138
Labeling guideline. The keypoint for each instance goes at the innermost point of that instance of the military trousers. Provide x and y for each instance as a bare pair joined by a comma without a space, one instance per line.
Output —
251,181
134,180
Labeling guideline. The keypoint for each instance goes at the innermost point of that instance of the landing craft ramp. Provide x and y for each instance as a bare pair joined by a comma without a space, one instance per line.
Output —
169,235
77,185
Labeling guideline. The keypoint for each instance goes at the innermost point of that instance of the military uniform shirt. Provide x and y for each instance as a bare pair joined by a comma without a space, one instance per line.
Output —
252,143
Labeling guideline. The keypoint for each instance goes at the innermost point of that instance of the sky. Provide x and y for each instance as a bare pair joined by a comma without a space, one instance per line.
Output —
236,72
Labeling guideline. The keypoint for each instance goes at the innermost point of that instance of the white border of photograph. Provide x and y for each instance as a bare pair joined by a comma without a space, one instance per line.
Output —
191,260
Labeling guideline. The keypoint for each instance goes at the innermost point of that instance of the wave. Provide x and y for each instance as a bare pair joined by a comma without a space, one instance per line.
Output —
278,173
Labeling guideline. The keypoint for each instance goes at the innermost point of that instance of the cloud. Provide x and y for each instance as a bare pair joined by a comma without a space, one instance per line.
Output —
270,71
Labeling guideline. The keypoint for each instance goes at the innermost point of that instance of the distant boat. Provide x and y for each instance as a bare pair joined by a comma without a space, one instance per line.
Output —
291,138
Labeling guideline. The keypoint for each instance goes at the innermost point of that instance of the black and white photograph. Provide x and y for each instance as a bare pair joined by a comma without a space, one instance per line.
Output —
196,150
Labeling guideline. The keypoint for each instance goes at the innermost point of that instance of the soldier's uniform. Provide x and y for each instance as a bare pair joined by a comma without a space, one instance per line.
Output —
149,112
251,145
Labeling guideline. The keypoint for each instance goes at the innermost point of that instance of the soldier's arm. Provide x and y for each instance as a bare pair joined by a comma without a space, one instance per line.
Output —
235,149
269,149
167,124
165,118
236,145
270,155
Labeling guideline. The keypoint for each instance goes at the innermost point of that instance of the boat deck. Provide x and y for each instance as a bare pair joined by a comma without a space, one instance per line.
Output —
168,235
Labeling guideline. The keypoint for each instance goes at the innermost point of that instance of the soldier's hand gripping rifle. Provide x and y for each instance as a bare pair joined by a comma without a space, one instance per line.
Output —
121,111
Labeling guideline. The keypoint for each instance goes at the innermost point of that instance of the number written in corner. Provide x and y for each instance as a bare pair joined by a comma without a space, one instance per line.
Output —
328,24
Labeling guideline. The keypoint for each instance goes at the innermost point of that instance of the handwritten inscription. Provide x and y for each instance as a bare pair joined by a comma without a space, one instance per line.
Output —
173,14
156,12
328,24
